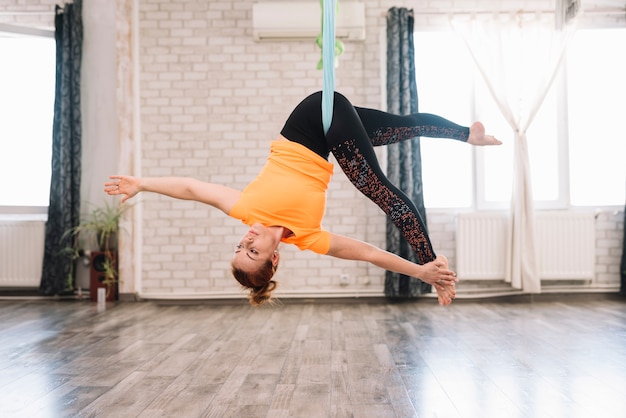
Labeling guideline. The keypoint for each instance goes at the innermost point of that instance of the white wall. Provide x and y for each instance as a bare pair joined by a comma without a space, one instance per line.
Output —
98,100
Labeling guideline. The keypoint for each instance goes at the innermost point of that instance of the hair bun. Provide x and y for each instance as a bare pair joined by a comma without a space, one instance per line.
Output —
261,294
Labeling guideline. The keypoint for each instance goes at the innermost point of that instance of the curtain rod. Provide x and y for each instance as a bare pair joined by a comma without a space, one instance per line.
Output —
488,12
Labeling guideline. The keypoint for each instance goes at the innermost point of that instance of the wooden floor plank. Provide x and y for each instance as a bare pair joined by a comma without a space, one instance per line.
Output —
565,358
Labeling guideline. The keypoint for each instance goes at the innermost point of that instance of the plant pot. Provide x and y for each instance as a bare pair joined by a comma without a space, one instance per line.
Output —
98,275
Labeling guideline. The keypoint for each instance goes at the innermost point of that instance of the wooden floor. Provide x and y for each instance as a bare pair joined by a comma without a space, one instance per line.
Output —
70,358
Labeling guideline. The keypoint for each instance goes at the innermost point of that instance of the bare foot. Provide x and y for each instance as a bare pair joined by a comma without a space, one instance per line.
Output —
445,292
477,136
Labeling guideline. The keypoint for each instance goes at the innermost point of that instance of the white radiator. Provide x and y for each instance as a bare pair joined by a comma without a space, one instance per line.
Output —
481,246
565,245
21,253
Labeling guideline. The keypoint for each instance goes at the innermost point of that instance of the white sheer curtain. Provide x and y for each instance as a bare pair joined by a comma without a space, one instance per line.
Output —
518,55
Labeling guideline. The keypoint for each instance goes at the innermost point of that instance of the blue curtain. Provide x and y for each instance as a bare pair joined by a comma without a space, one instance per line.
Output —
64,205
404,161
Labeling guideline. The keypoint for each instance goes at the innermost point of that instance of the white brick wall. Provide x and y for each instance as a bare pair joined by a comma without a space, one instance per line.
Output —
609,242
212,100
32,13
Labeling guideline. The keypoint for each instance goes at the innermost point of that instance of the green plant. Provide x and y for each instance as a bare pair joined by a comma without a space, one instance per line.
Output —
106,265
100,227
98,231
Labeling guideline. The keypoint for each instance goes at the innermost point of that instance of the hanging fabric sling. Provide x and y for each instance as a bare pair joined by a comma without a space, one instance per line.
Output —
328,62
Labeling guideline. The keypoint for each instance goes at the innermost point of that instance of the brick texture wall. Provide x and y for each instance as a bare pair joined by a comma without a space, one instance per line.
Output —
31,13
212,99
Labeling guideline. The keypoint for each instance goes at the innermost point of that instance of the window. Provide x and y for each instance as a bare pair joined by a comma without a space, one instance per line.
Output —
445,88
576,146
596,85
27,83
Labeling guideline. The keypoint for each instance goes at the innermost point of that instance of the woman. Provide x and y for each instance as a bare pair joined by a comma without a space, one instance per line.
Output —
286,201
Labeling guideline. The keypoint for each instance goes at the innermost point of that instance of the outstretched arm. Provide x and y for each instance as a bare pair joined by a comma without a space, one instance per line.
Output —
216,195
435,273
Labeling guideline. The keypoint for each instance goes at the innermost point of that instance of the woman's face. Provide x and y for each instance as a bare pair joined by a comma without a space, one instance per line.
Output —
255,248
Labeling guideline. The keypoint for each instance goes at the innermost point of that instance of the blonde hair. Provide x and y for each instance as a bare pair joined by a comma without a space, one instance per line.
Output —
259,282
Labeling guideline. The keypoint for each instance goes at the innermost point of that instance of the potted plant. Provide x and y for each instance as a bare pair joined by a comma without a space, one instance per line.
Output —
95,238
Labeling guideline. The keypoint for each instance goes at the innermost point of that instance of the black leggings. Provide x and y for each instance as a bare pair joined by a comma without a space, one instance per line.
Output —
353,134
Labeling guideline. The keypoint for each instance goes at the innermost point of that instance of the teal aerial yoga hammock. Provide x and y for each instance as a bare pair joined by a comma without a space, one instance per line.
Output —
330,48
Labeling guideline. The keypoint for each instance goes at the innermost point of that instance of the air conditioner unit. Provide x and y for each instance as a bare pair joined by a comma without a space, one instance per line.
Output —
303,20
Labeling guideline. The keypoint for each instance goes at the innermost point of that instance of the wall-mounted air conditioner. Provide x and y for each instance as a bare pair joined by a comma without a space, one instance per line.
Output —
303,20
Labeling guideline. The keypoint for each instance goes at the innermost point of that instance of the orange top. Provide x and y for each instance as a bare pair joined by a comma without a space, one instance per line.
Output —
290,192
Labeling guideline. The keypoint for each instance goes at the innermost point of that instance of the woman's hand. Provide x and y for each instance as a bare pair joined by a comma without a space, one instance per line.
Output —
437,273
122,185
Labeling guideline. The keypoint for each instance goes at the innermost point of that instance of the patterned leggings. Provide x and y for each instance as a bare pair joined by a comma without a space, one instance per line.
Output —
352,136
